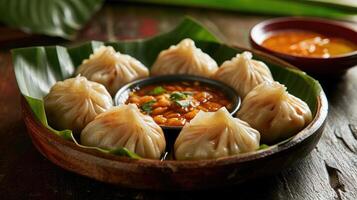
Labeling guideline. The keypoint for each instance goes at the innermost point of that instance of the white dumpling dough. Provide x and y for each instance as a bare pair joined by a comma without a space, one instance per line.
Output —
184,58
112,69
73,103
243,73
125,126
274,112
213,135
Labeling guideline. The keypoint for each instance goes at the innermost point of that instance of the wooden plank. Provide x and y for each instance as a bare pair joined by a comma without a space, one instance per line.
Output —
338,146
329,172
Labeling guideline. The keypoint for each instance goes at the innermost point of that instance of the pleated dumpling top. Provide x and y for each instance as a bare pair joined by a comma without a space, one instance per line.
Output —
125,126
73,103
215,134
243,73
274,112
184,58
112,69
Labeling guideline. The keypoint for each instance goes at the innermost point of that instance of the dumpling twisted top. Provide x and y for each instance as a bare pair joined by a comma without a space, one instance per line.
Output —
125,126
274,112
112,69
213,135
73,103
184,58
243,73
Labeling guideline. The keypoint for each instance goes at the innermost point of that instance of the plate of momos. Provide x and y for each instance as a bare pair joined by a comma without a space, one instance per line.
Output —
81,128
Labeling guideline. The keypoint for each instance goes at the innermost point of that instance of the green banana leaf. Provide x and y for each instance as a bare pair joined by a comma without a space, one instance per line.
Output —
315,8
38,68
346,4
62,18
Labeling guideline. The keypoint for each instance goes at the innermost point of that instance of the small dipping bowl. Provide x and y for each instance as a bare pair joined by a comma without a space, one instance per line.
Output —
332,66
171,132
123,93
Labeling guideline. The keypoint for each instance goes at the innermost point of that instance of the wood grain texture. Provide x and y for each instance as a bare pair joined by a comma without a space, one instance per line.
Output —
329,172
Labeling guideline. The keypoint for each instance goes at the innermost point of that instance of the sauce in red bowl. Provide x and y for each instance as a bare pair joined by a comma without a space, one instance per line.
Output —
333,65
308,44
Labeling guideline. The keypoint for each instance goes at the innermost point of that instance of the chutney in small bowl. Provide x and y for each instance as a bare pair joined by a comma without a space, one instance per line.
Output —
174,100
317,46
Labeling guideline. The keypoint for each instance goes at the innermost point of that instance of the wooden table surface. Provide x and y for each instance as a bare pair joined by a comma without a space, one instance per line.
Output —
329,172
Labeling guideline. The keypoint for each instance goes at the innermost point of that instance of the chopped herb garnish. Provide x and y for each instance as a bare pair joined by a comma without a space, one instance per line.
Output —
183,103
158,90
147,106
176,96
187,93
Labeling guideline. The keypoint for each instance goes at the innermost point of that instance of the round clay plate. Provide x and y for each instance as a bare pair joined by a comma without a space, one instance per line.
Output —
177,175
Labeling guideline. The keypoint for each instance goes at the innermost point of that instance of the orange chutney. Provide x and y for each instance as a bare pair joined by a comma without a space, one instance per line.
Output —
175,103
308,44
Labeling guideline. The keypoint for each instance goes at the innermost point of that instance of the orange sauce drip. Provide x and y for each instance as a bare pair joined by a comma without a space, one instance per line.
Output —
308,44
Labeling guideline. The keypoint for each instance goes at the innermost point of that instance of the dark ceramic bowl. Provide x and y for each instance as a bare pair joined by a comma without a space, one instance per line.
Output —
123,93
335,65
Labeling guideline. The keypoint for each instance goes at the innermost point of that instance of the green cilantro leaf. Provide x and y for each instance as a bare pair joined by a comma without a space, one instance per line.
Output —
176,96
183,103
157,90
147,107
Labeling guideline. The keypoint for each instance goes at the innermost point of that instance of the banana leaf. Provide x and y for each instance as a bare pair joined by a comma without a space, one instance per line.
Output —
346,4
38,68
315,8
62,18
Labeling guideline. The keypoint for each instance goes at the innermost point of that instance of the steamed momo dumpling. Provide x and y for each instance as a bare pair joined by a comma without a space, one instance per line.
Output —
73,103
274,112
243,73
112,69
125,126
213,135
184,58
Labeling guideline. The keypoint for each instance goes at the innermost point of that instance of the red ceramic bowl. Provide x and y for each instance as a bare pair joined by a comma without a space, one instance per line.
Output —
336,65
